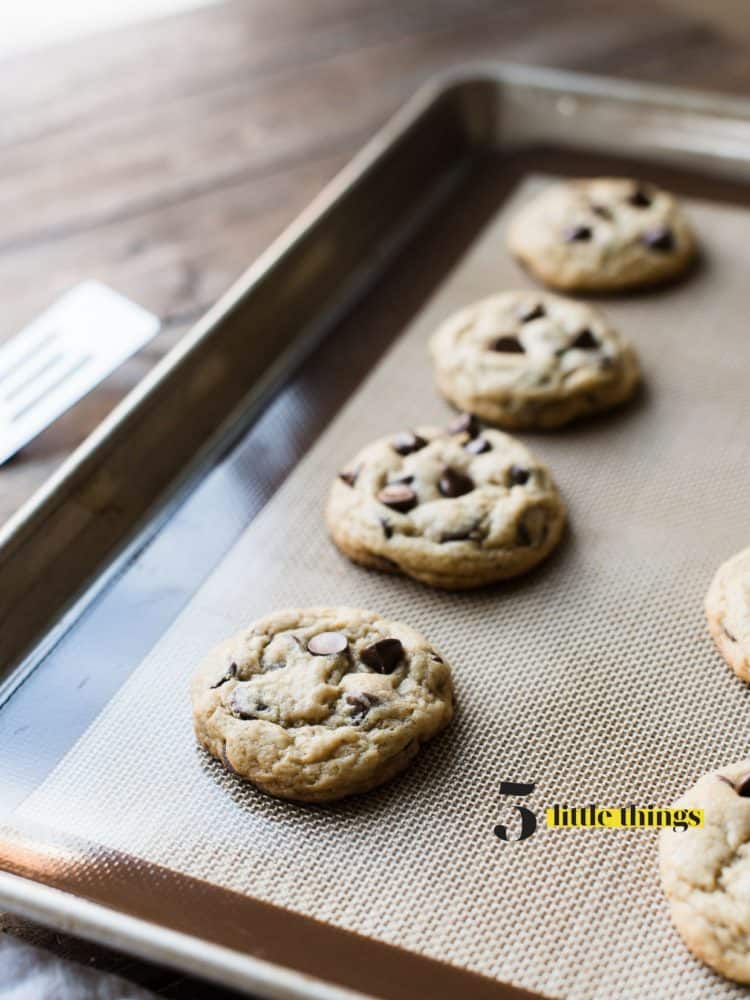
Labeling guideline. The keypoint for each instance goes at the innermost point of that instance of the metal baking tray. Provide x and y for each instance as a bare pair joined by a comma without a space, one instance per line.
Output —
97,567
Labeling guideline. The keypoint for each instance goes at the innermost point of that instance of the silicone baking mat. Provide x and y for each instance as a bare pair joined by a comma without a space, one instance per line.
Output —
593,677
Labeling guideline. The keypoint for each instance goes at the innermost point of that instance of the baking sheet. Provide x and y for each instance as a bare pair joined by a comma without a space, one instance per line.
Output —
593,677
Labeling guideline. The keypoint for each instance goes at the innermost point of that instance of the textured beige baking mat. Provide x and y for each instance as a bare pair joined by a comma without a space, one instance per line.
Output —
593,677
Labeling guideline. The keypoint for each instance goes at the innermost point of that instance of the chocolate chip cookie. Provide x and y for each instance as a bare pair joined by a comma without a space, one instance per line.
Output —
530,359
728,612
602,234
455,508
705,872
320,703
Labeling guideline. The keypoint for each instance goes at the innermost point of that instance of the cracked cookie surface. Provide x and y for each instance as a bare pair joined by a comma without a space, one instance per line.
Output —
456,508
316,704
705,872
602,234
728,612
526,359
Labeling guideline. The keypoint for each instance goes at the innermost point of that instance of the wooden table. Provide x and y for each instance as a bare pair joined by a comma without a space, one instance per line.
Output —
162,159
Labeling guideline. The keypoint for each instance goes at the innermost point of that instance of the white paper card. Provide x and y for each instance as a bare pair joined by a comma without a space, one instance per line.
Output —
61,356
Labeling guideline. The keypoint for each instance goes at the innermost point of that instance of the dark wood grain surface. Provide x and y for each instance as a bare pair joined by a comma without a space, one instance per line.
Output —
163,158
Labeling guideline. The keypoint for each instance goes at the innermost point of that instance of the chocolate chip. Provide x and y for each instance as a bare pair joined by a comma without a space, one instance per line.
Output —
242,713
661,239
231,673
398,496
578,234
402,479
327,643
454,484
455,536
517,475
602,212
605,364
534,312
362,703
349,476
522,534
383,656
387,529
585,341
478,446
467,423
741,785
407,442
508,345
639,198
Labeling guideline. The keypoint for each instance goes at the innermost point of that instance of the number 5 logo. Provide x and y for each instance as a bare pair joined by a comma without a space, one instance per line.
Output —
528,819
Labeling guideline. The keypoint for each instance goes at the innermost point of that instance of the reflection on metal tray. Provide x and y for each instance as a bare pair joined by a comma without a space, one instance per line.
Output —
111,558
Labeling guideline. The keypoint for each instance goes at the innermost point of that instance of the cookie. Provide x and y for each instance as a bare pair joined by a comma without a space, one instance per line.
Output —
320,703
530,359
601,235
705,872
728,612
456,509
